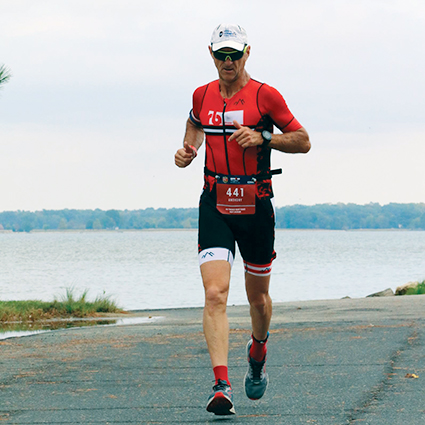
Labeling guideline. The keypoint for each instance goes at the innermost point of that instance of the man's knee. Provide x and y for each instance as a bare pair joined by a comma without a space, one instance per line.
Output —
260,301
216,296
216,279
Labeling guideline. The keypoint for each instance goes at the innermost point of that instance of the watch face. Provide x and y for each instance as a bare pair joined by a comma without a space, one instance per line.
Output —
267,135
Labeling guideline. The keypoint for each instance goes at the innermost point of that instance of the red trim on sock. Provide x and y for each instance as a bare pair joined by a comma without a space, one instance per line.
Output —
221,372
258,350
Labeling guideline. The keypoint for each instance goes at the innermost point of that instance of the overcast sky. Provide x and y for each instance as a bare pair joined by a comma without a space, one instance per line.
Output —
101,90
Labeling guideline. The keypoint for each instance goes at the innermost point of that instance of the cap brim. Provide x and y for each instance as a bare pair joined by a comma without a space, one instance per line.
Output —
229,43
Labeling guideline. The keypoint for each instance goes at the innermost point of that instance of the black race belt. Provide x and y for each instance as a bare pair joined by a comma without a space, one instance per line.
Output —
258,177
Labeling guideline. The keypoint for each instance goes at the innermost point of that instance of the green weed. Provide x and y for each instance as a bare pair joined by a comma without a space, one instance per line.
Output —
67,306
418,290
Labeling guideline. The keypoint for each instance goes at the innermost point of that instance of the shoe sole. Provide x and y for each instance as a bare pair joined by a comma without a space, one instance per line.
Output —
221,405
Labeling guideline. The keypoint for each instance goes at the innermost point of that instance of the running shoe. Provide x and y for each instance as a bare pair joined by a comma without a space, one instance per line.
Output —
256,378
220,402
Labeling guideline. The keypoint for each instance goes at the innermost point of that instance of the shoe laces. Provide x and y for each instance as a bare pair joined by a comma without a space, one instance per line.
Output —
256,369
221,385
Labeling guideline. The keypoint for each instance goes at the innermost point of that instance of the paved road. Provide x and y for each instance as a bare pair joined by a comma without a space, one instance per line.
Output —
330,362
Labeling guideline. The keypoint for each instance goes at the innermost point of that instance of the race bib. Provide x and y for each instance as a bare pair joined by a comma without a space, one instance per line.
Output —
236,195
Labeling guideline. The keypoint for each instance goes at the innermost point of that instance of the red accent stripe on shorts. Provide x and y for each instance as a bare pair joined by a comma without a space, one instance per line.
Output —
258,269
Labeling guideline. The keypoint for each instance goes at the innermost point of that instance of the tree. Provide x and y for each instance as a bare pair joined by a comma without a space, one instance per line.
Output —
4,75
115,216
63,224
96,224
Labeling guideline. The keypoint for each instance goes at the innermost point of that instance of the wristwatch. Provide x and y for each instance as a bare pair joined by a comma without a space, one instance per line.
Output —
267,137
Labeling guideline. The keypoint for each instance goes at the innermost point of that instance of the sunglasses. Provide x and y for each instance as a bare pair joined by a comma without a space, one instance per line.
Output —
233,55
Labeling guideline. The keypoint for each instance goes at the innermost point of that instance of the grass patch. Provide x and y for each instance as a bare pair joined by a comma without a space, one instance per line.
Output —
418,290
68,306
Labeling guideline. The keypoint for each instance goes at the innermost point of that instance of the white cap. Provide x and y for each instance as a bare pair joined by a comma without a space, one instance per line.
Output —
229,35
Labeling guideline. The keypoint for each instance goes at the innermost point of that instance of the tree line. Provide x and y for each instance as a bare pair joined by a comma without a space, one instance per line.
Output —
321,216
352,216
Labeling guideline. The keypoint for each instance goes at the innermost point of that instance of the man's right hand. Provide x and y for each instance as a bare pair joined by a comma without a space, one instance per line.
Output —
184,156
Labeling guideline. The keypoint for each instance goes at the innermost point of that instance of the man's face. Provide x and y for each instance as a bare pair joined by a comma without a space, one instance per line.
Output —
228,70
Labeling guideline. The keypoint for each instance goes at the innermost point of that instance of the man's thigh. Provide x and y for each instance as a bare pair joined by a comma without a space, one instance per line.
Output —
215,236
255,236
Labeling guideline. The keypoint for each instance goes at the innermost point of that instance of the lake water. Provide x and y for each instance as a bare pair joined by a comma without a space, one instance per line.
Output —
159,269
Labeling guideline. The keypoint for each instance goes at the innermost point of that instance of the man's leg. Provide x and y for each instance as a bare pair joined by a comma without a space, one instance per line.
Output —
257,290
216,279
256,378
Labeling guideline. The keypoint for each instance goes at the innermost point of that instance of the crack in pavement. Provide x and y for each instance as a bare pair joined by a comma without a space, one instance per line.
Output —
376,394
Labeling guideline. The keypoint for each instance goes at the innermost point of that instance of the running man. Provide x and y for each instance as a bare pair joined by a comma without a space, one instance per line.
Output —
236,115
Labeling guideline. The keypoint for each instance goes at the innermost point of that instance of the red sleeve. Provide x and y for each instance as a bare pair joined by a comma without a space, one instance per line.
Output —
271,103
197,100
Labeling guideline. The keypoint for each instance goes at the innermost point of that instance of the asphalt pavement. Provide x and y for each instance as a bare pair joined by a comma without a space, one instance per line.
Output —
350,361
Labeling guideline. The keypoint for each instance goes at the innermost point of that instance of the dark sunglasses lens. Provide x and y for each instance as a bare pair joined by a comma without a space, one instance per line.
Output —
223,56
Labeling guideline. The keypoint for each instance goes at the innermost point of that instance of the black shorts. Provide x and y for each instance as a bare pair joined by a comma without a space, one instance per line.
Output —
253,233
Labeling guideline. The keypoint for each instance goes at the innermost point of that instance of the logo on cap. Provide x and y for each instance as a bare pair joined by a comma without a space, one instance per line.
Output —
228,33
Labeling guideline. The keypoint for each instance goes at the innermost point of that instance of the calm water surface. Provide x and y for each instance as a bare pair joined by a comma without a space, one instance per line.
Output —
159,269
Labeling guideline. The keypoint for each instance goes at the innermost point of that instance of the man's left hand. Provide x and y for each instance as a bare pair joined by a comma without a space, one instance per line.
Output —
245,137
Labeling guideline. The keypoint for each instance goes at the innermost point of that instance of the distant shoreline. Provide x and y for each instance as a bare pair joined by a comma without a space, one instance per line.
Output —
297,217
195,230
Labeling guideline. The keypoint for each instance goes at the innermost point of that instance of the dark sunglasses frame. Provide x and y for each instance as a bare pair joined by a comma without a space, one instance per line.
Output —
233,55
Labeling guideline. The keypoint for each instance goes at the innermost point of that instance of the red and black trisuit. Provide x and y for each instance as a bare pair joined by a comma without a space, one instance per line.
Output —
243,211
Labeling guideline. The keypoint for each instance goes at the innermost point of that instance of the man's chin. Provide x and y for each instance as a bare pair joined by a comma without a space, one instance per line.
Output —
228,76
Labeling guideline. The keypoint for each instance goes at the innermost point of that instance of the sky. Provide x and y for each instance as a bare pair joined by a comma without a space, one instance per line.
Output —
101,90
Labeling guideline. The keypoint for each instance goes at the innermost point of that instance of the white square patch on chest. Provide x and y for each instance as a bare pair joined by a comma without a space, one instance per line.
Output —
230,116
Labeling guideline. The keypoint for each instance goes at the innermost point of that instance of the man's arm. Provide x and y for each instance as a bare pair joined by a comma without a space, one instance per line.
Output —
291,142
193,138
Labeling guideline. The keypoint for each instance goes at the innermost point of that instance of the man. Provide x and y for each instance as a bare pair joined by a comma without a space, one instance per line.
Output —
236,114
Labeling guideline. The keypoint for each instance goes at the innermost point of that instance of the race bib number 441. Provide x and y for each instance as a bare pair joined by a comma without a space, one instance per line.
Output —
235,197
